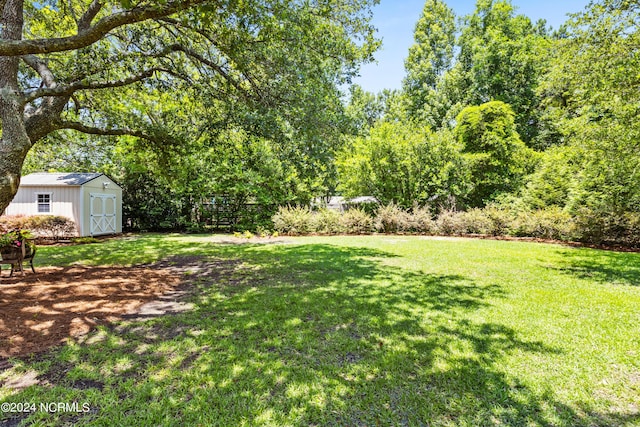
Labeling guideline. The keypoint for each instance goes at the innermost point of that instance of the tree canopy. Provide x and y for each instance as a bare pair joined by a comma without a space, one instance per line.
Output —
278,63
430,57
403,164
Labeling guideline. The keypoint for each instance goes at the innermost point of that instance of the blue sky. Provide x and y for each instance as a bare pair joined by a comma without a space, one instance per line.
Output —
396,19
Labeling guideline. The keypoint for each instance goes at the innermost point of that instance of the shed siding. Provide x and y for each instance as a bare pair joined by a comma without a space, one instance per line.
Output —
64,202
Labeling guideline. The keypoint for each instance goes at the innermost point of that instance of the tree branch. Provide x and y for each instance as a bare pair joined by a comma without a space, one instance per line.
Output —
67,90
234,82
209,36
76,104
91,130
84,23
98,31
174,22
40,67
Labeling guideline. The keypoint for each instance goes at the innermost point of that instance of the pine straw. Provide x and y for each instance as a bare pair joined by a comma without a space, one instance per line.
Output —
41,310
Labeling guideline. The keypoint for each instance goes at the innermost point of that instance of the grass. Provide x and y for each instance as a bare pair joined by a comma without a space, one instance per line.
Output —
373,330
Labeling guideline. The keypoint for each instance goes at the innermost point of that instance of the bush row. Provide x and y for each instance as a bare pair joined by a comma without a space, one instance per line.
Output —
43,226
549,223
301,220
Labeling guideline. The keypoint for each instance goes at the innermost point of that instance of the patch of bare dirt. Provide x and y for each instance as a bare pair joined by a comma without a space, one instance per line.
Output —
41,310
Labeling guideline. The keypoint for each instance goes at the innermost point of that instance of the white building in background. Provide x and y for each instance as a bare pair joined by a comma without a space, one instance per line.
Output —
340,204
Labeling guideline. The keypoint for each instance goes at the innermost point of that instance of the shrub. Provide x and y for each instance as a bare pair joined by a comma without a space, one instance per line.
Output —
598,227
356,221
475,221
263,232
450,222
44,226
53,227
327,221
549,223
421,220
586,225
593,226
293,220
392,219
13,222
632,232
500,220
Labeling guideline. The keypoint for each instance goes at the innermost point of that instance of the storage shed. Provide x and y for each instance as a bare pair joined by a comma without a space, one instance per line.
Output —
92,200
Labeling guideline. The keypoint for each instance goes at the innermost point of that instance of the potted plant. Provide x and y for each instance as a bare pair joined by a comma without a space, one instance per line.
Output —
15,245
10,245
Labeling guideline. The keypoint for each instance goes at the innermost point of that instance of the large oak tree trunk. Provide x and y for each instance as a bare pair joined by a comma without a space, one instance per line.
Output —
15,142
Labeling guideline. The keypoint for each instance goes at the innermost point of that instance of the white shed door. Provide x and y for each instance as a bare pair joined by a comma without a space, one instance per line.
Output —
103,214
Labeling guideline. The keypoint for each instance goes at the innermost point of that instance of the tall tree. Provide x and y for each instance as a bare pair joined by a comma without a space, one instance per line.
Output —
496,157
592,91
502,57
107,67
430,57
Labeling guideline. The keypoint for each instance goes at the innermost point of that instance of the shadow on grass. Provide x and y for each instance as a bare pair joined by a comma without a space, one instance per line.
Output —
132,250
602,266
308,335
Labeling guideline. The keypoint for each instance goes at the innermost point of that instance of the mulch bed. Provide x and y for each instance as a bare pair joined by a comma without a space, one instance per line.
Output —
41,310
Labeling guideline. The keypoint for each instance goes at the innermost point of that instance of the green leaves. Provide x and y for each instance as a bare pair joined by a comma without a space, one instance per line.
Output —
592,92
503,55
500,56
404,164
431,56
171,71
496,156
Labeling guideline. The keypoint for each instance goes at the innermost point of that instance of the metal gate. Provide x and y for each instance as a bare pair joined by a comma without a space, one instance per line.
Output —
103,214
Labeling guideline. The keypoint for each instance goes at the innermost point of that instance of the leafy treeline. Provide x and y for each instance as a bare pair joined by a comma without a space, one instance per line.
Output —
495,111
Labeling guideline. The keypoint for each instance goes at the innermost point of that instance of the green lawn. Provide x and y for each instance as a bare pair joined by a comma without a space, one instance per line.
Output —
372,330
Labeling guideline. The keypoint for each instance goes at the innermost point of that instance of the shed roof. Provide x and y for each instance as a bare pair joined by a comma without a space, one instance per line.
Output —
58,179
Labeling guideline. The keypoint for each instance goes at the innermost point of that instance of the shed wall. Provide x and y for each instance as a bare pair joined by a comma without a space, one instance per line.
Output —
64,202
